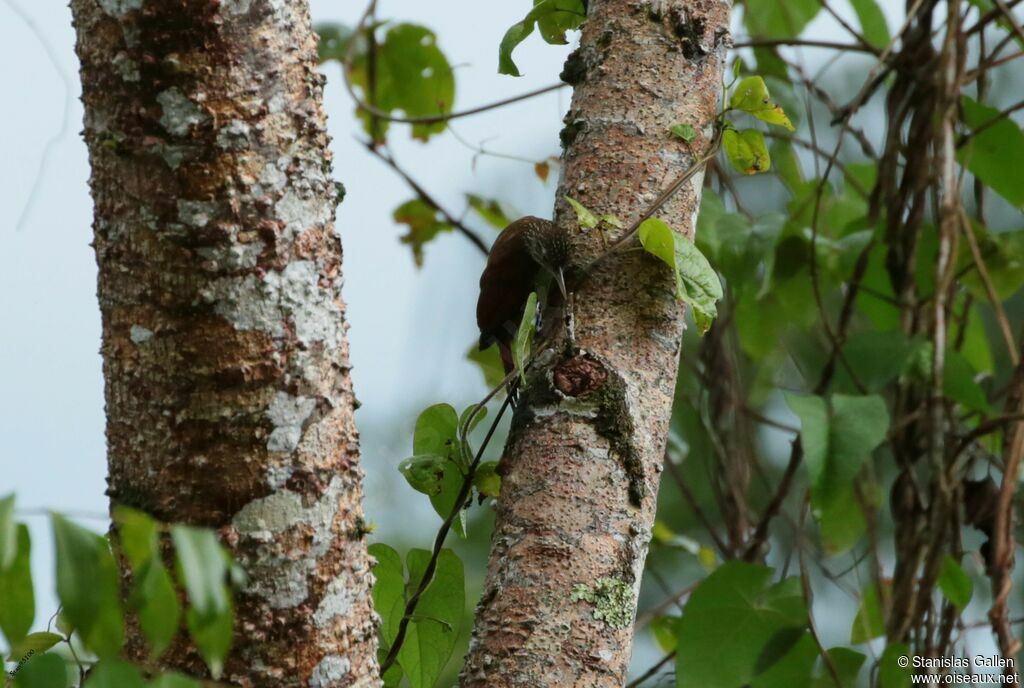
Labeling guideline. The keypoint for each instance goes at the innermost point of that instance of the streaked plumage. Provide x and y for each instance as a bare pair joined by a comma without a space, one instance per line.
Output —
526,256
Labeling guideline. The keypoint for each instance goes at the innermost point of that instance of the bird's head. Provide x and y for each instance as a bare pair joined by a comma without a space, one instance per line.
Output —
550,246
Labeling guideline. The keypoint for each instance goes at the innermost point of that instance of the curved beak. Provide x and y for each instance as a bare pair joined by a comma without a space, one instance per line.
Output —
560,278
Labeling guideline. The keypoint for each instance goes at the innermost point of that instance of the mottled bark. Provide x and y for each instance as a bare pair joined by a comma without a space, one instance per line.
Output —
229,402
569,545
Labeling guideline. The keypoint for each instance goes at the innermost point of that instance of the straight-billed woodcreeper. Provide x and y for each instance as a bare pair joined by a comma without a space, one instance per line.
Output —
527,256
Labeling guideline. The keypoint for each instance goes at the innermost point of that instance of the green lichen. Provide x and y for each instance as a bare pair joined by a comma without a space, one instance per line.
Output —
614,423
612,599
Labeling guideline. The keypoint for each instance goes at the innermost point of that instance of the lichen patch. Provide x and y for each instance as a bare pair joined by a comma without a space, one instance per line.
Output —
288,413
613,600
329,672
179,113
267,304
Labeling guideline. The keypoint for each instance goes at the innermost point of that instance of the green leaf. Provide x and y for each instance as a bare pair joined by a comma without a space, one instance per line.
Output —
552,17
17,596
522,345
425,472
612,220
388,590
959,384
444,501
684,131
425,222
1004,260
88,587
841,521
486,479
203,568
837,438
872,22
847,664
34,643
42,671
976,349
212,636
64,625
431,637
746,150
157,604
870,621
172,680
890,673
697,283
437,434
794,668
437,431
787,164
994,155
334,42
8,533
858,425
412,75
489,362
955,584
478,418
584,216
773,19
736,625
137,535
878,356
490,210
113,673
663,628
751,95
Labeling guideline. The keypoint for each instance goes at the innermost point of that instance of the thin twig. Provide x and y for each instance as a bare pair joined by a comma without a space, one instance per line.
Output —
446,526
644,677
990,290
427,198
996,119
662,198
803,43
990,16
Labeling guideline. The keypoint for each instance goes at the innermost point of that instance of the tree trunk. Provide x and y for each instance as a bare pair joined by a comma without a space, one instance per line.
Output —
589,437
229,402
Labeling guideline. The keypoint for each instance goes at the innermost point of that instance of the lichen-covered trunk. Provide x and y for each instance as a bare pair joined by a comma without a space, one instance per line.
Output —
589,435
228,396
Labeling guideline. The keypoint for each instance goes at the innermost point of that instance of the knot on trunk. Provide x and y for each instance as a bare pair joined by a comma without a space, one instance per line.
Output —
579,375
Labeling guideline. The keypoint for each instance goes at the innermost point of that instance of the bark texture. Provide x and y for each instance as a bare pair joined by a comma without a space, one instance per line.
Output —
228,396
589,435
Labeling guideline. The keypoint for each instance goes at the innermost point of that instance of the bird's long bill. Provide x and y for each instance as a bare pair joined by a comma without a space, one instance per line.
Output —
560,278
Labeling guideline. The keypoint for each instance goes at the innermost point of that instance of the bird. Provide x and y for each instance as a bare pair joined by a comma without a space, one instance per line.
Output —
528,256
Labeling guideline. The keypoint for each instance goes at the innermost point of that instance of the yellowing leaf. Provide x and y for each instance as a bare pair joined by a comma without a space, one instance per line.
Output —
746,150
584,216
684,131
522,345
425,223
751,95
